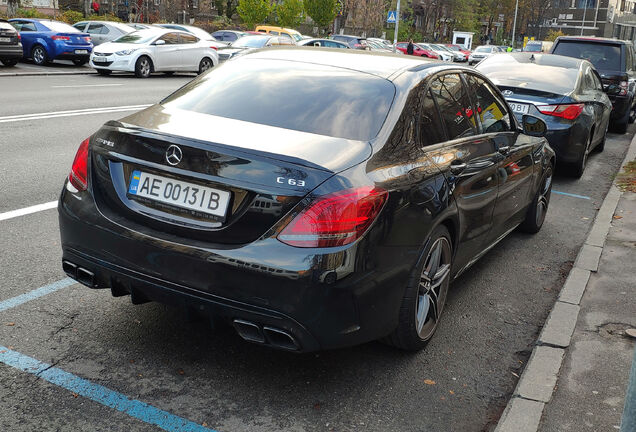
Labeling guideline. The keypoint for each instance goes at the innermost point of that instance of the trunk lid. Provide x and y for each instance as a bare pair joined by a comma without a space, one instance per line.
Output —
264,170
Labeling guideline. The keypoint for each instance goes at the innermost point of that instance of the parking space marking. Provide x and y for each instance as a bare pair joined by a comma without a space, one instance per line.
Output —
98,393
36,293
28,210
57,114
87,85
572,195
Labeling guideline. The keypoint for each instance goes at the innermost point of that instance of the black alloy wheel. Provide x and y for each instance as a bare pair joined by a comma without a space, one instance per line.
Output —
425,296
539,206
579,167
143,67
205,64
38,54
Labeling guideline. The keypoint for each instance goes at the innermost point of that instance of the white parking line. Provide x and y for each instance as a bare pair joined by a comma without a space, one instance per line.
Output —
87,85
28,210
56,114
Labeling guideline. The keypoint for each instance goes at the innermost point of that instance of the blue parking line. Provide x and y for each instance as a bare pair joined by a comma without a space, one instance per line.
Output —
36,293
572,195
100,394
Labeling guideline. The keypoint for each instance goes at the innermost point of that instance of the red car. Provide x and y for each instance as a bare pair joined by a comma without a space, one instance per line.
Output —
417,51
458,48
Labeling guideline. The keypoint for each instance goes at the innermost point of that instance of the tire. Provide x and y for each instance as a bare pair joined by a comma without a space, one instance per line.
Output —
601,146
539,205
143,67
9,62
205,64
425,296
579,167
104,72
38,54
620,126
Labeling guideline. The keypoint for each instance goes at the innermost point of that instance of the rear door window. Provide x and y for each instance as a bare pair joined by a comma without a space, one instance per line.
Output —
170,38
603,56
317,99
431,130
491,110
188,39
454,106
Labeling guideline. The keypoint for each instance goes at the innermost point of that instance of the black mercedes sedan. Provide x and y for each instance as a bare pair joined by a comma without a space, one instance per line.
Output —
338,218
565,92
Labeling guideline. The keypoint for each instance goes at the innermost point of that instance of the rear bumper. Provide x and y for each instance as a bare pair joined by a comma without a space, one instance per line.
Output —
324,301
63,51
11,52
567,139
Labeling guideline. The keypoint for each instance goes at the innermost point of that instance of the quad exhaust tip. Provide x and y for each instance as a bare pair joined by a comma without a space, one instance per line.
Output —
266,335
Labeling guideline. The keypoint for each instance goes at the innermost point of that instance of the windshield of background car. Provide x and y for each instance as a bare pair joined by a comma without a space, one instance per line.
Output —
603,56
483,49
250,42
533,46
313,98
452,48
59,27
297,37
137,37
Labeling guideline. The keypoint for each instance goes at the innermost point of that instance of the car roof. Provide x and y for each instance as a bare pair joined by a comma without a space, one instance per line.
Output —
380,64
593,39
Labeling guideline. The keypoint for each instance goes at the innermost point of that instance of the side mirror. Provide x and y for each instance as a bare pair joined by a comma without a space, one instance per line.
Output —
533,126
160,42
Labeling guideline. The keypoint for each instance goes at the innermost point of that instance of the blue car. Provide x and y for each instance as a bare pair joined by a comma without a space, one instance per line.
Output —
46,40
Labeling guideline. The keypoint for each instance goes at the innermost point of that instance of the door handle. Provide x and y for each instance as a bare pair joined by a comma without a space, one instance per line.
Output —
457,166
504,150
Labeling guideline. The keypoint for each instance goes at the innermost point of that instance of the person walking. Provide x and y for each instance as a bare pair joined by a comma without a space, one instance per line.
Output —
410,47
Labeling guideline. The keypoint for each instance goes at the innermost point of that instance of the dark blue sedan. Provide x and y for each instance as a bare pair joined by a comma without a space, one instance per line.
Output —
46,40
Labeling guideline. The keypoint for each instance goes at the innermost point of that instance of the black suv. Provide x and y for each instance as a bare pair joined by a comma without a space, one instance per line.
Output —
354,42
10,46
614,61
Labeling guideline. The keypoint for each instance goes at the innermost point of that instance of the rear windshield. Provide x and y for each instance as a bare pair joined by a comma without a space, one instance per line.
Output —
304,97
59,27
251,42
602,55
533,46
483,49
137,37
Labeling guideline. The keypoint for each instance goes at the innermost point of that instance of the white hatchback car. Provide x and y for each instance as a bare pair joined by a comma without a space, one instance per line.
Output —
155,50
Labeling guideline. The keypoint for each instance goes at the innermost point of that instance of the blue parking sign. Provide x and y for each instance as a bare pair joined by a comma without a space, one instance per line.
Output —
391,17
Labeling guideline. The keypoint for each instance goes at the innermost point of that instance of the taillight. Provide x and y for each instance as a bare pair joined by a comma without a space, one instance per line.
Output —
19,37
87,39
357,45
64,38
623,91
79,170
336,219
568,112
214,48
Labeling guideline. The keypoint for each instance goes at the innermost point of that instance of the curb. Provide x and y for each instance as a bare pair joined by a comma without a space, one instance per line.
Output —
48,73
535,387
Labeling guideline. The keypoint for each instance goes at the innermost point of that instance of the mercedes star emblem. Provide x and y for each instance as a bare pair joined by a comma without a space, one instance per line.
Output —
173,155
507,92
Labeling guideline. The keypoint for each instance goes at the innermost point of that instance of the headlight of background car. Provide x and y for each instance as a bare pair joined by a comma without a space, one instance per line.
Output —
126,52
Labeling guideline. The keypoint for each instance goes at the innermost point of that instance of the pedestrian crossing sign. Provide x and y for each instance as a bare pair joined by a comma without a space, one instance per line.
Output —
391,17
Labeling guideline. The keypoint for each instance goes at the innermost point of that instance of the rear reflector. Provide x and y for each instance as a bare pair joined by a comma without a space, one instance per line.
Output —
79,170
568,112
336,219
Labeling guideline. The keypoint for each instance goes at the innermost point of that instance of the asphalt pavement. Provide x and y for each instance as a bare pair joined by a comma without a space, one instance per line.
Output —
168,361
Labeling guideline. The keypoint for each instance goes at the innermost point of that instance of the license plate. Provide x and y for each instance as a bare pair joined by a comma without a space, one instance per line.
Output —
519,107
81,51
100,60
5,39
179,193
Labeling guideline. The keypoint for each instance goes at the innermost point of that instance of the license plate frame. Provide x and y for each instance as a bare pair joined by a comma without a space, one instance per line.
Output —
160,189
5,39
100,59
519,107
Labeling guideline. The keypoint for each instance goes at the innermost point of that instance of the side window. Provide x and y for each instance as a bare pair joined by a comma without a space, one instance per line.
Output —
597,82
430,127
454,106
95,28
170,38
274,32
493,112
188,39
80,26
